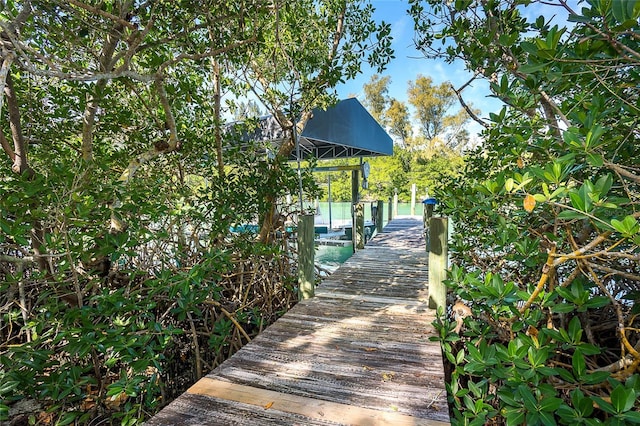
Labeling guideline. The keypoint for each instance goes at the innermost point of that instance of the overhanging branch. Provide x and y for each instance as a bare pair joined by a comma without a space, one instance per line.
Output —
466,107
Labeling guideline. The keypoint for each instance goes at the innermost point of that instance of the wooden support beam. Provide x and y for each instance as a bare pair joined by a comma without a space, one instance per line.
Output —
338,168
355,198
413,199
438,261
379,216
306,254
358,229
355,186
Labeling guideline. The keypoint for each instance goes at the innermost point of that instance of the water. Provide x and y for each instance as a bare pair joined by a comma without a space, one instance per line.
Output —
341,212
331,257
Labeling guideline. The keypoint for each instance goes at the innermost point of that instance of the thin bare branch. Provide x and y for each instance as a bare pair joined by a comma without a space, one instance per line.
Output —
208,54
231,317
87,75
622,329
466,107
621,364
6,146
623,171
20,163
581,253
14,259
613,271
88,119
547,270
337,36
4,72
619,46
170,120
549,103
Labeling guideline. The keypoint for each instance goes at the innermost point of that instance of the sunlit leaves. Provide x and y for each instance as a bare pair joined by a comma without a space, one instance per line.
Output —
529,203
626,12
570,125
628,227
179,212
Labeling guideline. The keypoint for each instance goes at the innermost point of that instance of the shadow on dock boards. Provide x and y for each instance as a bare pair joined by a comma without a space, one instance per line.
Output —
357,353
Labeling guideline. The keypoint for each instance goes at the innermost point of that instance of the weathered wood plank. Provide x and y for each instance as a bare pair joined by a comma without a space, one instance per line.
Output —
311,408
201,410
357,353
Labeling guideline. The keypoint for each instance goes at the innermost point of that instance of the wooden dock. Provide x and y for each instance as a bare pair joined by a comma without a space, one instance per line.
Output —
358,353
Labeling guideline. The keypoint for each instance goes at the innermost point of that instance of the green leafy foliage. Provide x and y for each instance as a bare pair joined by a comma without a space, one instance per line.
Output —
129,262
546,214
398,173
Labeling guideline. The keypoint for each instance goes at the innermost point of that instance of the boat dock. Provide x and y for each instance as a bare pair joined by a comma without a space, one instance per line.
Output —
357,353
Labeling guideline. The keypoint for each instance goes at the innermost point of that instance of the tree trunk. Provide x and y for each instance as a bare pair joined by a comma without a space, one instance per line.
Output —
217,95
270,219
20,164
89,116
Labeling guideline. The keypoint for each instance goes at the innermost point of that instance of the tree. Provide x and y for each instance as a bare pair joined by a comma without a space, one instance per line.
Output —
141,56
432,106
291,77
457,134
246,110
122,194
100,135
431,103
399,121
546,213
376,97
390,174
434,172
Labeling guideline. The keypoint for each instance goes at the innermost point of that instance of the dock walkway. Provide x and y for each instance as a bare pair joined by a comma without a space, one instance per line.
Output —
358,353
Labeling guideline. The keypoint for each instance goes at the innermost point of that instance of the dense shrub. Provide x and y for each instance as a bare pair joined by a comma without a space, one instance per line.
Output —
545,278
129,265
126,321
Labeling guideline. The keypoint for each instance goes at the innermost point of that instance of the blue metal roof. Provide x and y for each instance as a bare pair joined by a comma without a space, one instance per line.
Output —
344,130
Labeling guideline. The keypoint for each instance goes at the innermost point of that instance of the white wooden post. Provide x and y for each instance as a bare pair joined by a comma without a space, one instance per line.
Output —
395,204
413,199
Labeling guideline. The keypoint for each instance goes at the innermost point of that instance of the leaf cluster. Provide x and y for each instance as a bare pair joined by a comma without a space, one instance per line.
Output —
130,263
546,213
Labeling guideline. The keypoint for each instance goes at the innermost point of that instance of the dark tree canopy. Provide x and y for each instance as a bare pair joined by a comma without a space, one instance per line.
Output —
126,266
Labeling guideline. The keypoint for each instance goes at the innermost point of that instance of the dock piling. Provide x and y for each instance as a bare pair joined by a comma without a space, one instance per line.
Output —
358,229
306,254
413,199
379,216
438,261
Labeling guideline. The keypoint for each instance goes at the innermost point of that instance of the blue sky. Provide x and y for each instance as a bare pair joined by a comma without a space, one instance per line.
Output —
409,63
